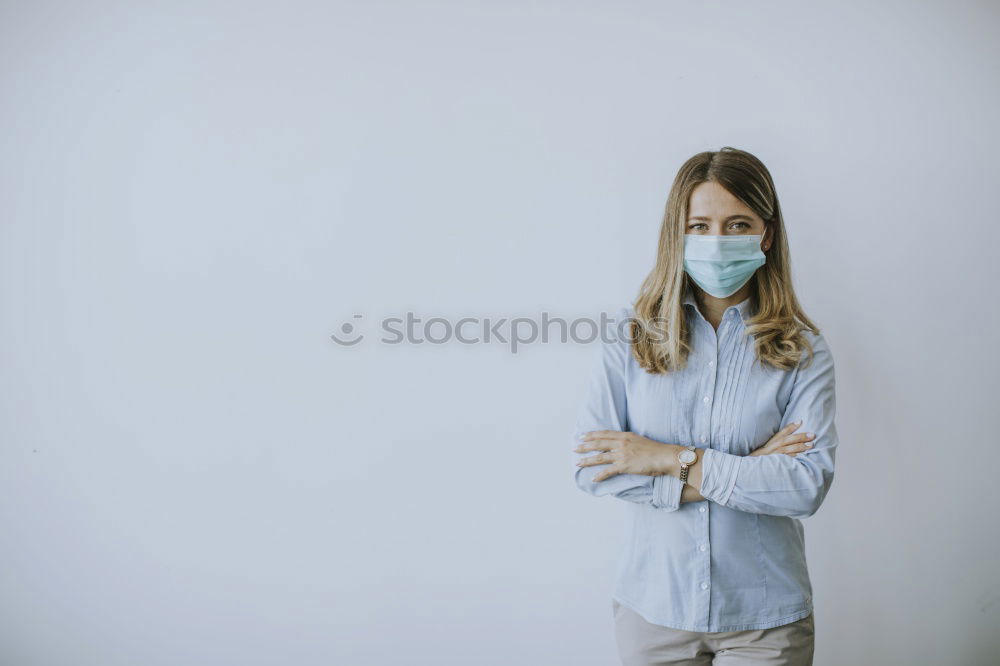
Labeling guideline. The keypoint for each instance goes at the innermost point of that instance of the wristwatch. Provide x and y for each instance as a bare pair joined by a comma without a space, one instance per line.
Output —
687,457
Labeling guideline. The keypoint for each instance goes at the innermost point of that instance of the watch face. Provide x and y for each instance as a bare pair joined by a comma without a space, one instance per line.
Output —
687,457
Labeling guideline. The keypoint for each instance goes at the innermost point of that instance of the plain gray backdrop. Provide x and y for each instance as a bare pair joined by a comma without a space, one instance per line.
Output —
195,196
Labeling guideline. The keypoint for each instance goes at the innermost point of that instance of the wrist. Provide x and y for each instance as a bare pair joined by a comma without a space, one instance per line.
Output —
671,465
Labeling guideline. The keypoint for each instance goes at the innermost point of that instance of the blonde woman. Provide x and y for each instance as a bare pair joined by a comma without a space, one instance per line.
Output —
710,411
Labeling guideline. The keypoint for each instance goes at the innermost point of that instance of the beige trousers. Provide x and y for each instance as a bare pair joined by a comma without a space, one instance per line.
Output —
641,643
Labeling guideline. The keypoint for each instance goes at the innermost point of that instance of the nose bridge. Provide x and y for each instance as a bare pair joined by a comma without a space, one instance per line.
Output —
717,226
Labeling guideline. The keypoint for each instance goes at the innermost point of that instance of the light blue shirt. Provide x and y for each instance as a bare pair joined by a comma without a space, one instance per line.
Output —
736,560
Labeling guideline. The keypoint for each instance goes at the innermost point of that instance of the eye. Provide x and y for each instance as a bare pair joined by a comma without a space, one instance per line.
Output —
697,224
746,225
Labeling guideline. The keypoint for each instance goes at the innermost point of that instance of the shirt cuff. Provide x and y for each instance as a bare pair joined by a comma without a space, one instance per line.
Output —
667,492
718,475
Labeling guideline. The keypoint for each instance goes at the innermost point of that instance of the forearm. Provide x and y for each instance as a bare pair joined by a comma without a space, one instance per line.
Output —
657,491
642,483
774,484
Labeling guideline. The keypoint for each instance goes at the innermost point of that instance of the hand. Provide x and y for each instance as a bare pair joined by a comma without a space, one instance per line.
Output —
784,441
627,452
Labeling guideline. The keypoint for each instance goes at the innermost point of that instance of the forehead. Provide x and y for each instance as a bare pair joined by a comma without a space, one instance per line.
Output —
713,200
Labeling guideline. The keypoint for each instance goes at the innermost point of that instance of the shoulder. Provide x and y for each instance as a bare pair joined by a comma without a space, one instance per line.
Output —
819,353
625,313
615,333
623,325
816,340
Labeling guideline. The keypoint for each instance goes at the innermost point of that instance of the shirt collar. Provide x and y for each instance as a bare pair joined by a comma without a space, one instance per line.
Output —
741,309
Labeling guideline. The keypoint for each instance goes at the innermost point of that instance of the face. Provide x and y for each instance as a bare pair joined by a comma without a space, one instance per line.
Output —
714,211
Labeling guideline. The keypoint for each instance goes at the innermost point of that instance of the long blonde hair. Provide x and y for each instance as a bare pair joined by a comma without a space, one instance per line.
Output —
660,328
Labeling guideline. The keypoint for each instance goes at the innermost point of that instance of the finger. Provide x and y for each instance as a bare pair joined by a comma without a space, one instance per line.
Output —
800,437
787,430
795,439
792,427
593,460
796,448
602,434
605,473
595,445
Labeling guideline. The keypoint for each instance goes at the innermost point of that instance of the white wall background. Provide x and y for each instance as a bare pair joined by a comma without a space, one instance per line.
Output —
194,196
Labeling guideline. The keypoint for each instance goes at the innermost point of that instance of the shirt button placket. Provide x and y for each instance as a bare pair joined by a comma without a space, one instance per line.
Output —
711,369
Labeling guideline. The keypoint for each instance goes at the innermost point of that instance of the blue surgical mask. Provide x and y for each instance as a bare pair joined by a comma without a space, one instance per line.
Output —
722,264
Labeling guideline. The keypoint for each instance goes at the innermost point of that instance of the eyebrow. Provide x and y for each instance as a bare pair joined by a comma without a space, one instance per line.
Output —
731,217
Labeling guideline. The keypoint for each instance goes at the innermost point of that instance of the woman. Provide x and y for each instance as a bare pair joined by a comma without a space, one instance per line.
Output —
711,412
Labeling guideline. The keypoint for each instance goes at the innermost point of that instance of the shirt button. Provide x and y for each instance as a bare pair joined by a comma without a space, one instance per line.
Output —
701,547
704,586
704,439
711,363
706,399
702,509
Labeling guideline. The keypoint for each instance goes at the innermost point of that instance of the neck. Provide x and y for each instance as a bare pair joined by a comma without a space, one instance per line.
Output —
713,308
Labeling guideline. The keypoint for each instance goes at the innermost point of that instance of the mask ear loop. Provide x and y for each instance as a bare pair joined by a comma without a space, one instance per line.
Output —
767,225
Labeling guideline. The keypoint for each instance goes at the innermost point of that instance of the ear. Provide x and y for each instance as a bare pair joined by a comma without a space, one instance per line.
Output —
766,241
